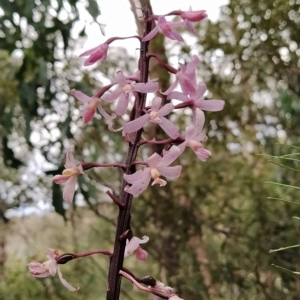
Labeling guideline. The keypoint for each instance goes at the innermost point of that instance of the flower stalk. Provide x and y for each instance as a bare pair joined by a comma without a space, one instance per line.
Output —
116,260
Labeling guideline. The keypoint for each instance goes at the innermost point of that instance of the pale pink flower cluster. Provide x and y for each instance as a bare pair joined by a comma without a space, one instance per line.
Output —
192,94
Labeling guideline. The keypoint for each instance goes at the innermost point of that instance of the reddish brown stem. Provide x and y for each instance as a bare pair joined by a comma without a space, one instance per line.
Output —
162,63
87,166
116,260
115,199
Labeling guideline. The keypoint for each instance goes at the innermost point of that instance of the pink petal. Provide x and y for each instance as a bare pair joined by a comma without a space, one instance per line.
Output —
190,132
202,153
122,104
166,28
65,283
194,16
210,105
149,87
159,181
190,68
171,87
38,270
80,169
199,119
141,254
169,128
156,102
134,243
121,78
139,186
113,96
101,48
187,85
201,137
59,179
104,113
182,147
81,96
136,124
153,160
169,157
201,89
98,53
174,35
70,161
89,114
170,172
191,28
151,34
132,178
69,189
166,109
94,58
178,96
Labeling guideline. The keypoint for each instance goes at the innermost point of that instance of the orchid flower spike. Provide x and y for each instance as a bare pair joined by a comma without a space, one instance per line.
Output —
194,137
90,106
125,88
186,77
49,268
166,28
95,54
134,246
197,99
157,166
155,115
69,176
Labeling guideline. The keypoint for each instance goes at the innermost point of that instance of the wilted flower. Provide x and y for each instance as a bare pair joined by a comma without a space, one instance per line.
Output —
157,166
49,268
155,115
134,246
69,176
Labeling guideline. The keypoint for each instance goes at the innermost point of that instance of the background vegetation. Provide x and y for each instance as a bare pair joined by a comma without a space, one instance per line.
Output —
211,231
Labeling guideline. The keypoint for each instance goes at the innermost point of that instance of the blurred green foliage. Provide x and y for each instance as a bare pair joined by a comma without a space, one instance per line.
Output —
211,230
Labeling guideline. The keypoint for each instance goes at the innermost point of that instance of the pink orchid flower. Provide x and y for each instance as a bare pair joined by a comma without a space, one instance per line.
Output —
155,115
194,137
125,88
166,28
69,176
134,246
157,166
90,106
49,268
186,77
95,54
197,99
193,16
